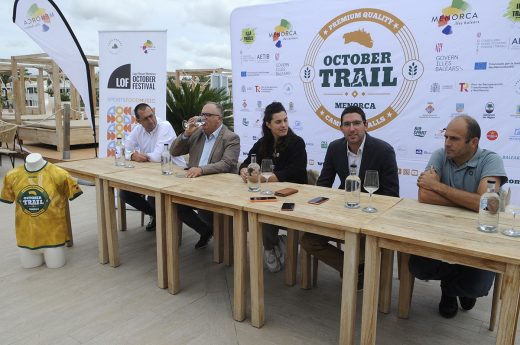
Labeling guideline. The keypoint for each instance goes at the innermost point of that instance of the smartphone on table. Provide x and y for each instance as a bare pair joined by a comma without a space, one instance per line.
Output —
262,198
318,200
288,206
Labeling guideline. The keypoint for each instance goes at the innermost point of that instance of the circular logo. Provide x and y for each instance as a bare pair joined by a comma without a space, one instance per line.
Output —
490,107
33,200
365,57
492,135
114,46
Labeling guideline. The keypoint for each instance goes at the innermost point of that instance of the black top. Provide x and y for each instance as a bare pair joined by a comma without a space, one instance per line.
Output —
290,165
377,155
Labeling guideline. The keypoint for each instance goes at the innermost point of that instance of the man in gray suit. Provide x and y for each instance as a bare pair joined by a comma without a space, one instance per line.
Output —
213,149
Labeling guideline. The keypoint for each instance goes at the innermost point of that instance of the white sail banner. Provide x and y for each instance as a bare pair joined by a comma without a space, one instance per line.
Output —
43,21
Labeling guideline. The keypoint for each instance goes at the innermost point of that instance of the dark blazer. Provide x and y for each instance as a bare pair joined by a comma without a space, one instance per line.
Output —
377,155
223,157
290,165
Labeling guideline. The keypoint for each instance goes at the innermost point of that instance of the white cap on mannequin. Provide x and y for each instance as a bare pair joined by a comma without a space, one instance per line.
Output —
34,162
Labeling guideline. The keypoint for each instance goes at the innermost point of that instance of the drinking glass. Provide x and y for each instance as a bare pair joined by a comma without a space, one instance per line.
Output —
128,155
514,230
371,184
199,121
267,168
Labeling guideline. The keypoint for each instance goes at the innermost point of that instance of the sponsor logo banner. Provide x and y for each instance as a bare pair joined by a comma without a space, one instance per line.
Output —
134,66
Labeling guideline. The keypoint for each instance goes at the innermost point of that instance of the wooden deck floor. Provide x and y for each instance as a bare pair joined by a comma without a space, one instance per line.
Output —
88,303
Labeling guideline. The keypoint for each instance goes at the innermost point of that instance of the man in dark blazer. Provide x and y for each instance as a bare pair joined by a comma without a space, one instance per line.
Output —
358,148
213,149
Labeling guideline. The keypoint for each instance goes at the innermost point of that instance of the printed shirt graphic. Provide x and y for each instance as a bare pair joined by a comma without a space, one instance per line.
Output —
41,198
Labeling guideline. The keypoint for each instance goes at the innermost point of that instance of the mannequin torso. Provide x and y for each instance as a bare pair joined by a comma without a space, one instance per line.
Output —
34,162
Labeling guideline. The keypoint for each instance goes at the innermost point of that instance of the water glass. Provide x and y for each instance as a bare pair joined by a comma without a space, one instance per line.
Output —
514,230
371,184
267,169
199,121
128,155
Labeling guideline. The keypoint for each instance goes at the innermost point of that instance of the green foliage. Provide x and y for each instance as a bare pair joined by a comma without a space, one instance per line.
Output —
65,97
5,78
184,102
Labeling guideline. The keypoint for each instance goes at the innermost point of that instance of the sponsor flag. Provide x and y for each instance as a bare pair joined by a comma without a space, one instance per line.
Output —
43,21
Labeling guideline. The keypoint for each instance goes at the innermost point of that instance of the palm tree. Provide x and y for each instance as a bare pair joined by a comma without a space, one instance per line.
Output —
184,102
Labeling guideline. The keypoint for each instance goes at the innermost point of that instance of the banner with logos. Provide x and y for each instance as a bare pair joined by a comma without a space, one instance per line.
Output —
43,21
132,70
411,68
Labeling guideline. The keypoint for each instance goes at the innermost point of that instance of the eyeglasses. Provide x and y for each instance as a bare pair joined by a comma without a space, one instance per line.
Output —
356,123
208,114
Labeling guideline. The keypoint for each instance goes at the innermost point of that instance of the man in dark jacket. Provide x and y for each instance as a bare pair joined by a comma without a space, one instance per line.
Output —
357,148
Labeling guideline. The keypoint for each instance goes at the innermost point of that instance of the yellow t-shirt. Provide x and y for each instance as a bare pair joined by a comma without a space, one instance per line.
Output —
41,198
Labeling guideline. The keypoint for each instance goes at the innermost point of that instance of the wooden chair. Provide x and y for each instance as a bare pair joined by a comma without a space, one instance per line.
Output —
8,139
406,284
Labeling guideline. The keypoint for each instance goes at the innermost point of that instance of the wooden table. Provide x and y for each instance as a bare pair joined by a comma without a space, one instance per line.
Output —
329,219
91,170
147,180
442,233
223,194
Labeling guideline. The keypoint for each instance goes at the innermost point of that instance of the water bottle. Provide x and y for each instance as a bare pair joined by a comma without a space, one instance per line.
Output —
166,161
120,153
253,175
489,209
352,188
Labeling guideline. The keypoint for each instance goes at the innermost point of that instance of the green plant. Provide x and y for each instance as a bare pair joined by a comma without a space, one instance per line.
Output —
65,97
184,102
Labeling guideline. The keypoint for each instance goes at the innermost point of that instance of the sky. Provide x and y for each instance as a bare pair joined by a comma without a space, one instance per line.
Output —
198,30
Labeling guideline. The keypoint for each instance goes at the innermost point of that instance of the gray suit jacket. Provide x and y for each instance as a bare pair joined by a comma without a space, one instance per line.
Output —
223,157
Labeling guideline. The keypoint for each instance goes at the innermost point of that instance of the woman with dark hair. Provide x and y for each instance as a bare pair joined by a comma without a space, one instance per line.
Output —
287,150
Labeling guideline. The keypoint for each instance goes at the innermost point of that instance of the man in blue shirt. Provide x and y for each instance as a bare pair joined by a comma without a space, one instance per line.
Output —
457,175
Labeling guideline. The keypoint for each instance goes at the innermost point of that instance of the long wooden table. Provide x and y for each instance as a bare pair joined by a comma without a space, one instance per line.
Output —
442,233
91,170
147,180
223,194
406,226
329,219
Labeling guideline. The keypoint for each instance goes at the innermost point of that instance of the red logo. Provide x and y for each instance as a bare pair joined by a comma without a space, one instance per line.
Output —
438,47
492,135
463,87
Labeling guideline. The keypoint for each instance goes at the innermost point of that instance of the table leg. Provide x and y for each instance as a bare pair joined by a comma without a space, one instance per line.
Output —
172,245
256,270
160,236
405,288
387,270
121,212
239,273
228,240
291,261
370,291
509,310
217,238
349,288
111,226
305,267
102,229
